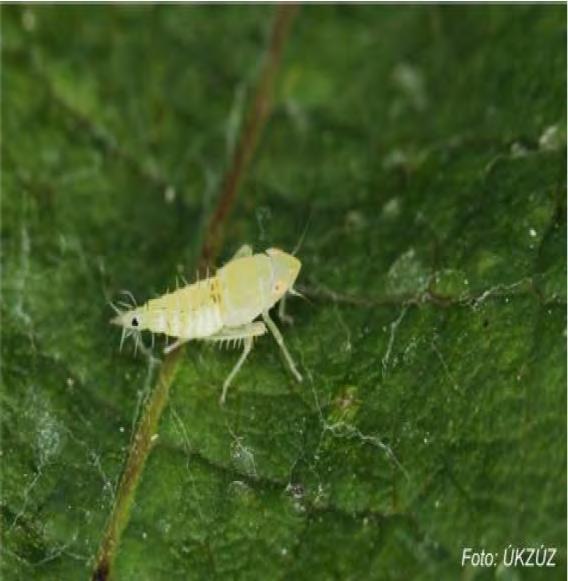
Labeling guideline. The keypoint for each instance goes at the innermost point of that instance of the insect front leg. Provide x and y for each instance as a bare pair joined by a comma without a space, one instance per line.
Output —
175,345
244,250
280,340
282,312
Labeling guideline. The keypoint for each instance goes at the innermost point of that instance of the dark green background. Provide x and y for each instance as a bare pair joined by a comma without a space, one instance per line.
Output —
429,145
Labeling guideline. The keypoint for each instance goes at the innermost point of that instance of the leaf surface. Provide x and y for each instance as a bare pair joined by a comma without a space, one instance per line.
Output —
428,145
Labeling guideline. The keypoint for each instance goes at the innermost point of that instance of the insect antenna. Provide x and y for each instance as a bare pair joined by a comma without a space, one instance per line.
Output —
119,312
303,235
295,293
125,335
138,342
131,297
141,340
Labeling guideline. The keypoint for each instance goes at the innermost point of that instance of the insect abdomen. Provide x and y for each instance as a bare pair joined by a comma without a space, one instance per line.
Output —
204,322
191,312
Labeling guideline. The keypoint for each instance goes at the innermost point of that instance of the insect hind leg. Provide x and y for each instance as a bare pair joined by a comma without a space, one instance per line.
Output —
245,333
235,370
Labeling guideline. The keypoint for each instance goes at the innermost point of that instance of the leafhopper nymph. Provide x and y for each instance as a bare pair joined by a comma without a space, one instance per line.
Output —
223,307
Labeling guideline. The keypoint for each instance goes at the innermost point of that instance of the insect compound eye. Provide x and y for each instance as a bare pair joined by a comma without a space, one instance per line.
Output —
134,322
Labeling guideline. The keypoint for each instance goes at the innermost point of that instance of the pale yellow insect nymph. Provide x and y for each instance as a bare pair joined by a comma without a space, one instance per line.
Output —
223,307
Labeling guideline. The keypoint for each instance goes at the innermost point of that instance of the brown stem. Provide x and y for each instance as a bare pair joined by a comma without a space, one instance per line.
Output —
146,430
256,120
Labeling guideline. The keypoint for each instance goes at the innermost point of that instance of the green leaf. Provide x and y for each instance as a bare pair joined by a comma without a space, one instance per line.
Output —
428,145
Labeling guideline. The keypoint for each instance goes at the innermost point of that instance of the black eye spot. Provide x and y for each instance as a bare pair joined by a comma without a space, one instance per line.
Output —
134,322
